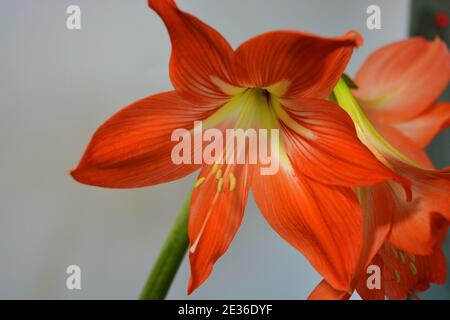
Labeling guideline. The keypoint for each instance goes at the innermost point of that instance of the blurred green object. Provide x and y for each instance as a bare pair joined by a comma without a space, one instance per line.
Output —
429,18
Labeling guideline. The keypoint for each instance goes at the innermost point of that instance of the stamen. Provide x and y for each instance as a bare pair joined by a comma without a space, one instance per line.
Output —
413,268
199,182
232,182
215,168
220,185
219,174
411,257
402,257
394,252
397,276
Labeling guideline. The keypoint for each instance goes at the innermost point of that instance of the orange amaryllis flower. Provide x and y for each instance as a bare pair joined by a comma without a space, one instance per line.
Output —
398,87
276,80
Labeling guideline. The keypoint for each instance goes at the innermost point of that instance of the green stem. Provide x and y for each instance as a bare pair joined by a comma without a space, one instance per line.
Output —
170,258
366,131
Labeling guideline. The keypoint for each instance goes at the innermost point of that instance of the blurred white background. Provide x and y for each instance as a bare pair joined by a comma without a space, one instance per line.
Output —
58,85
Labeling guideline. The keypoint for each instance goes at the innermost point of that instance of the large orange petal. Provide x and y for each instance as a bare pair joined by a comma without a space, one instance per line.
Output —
425,127
322,222
217,209
321,142
201,58
133,149
377,208
401,80
301,64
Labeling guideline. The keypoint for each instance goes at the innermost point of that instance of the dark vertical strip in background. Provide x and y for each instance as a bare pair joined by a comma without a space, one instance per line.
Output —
430,18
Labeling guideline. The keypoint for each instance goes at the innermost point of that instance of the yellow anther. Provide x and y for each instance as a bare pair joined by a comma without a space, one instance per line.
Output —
220,185
219,174
215,168
397,276
411,257
413,268
199,182
232,182
402,257
394,252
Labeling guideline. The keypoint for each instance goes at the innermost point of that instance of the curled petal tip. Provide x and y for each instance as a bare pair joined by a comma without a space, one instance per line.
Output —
356,37
76,175
191,287
72,172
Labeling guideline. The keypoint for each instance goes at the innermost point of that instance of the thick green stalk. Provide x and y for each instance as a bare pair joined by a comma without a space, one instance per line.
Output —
366,131
170,258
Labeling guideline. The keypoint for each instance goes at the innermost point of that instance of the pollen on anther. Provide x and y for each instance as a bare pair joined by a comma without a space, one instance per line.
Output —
232,182
219,174
220,185
411,257
199,182
394,252
402,257
215,168
413,268
397,276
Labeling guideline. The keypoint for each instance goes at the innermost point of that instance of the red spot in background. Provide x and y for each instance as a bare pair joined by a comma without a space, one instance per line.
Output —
442,20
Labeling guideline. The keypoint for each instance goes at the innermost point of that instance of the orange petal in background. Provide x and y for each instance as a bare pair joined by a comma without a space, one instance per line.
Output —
418,224
402,142
426,126
401,80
